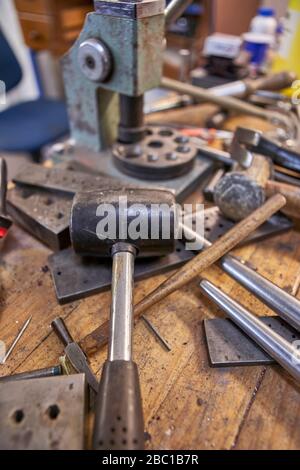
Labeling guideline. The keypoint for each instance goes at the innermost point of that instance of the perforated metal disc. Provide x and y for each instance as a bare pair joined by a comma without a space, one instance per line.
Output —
164,153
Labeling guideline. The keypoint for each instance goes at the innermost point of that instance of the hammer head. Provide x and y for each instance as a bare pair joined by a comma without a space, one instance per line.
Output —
146,219
237,195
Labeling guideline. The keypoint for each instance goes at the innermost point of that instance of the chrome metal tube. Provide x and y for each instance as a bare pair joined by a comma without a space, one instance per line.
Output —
175,9
284,304
121,316
237,89
285,353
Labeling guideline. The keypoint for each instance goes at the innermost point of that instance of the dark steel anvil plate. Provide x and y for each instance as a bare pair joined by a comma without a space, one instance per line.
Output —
75,277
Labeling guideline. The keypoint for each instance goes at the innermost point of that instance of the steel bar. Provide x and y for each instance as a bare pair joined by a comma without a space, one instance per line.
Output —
16,340
156,333
34,374
284,304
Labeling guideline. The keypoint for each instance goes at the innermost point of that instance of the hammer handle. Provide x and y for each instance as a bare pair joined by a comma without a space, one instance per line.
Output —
291,194
188,272
119,422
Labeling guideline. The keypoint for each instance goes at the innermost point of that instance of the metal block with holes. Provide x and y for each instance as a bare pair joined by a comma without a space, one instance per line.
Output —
43,414
42,214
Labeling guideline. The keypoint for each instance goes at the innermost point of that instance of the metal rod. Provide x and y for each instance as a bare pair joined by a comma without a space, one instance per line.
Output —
3,186
175,9
226,102
121,319
156,333
16,340
284,304
275,345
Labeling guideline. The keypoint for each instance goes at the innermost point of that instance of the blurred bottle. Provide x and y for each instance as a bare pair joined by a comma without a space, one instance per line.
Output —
261,39
264,22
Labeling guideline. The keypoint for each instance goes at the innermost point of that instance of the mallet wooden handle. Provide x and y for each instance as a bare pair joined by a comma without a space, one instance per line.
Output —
193,268
291,194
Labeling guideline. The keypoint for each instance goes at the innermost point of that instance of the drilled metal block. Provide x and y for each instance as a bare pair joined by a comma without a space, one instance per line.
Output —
43,414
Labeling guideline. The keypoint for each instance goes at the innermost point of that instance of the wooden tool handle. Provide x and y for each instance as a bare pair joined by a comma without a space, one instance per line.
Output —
205,259
96,339
291,194
273,82
194,267
260,170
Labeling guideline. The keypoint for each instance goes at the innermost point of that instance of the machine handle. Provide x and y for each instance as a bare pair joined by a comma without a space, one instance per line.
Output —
35,374
119,423
62,331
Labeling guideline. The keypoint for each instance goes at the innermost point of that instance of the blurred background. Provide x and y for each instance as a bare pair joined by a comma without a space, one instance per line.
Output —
39,32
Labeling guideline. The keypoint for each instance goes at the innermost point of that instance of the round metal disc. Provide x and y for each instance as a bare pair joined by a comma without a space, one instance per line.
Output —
163,154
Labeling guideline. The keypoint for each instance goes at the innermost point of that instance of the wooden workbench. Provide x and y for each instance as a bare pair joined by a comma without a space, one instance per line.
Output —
187,404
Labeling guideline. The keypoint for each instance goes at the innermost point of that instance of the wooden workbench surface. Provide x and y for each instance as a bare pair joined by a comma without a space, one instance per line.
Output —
187,404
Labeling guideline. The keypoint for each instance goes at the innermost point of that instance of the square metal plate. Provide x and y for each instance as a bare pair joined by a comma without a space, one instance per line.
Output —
43,414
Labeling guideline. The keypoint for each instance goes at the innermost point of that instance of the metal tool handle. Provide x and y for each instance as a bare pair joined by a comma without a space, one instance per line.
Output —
62,331
3,186
280,155
275,345
119,413
119,420
35,374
